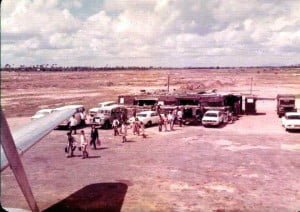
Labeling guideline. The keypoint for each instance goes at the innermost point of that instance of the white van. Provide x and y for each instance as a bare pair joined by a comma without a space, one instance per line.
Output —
106,115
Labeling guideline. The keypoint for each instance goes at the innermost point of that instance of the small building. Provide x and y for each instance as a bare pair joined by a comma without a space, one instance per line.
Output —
204,100
250,104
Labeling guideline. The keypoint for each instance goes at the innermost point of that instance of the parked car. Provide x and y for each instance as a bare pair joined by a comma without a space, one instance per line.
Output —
149,118
291,121
213,118
65,123
107,114
41,113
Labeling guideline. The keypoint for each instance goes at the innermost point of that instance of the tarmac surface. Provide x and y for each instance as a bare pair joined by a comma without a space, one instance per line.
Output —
250,165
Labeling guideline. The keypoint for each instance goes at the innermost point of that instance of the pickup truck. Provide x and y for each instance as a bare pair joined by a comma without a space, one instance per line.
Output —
285,103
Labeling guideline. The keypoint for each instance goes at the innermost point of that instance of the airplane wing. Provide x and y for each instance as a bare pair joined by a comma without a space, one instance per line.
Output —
33,132
14,145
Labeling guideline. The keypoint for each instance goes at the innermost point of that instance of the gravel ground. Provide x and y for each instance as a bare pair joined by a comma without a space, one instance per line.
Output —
250,165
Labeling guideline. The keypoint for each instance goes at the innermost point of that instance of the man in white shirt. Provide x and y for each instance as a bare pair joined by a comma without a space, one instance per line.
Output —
73,124
179,116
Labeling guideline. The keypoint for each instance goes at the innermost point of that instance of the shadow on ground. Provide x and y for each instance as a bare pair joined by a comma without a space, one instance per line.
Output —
94,197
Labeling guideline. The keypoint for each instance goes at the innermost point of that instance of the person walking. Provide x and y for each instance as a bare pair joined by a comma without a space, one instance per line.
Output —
70,148
83,145
115,125
73,124
94,136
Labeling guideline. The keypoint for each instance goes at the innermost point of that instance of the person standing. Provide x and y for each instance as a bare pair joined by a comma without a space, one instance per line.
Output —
83,144
77,116
115,125
171,120
73,124
174,113
160,123
179,117
136,127
124,132
165,122
70,148
142,127
134,113
94,136
83,117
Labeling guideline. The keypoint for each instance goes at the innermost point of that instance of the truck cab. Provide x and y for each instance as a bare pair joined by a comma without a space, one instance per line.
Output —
285,103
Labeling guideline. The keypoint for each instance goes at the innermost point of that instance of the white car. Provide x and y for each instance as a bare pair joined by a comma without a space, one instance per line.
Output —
291,121
41,113
105,104
212,118
147,117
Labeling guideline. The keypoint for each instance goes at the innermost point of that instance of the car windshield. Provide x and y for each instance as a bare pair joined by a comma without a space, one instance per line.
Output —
287,102
293,117
104,111
141,115
211,115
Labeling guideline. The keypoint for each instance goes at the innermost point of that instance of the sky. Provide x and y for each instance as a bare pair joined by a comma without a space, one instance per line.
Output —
168,33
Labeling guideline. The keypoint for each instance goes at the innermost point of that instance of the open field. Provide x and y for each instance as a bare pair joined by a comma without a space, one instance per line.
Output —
22,94
250,165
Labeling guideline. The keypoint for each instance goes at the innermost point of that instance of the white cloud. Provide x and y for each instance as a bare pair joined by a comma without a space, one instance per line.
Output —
39,17
151,32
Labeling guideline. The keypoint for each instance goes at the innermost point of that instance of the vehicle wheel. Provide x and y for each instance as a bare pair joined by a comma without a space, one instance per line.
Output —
149,124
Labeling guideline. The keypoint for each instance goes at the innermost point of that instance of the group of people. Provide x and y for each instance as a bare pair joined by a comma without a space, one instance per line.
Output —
137,126
72,143
119,129
169,119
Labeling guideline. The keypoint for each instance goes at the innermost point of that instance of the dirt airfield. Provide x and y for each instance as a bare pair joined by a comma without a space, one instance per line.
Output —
250,165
